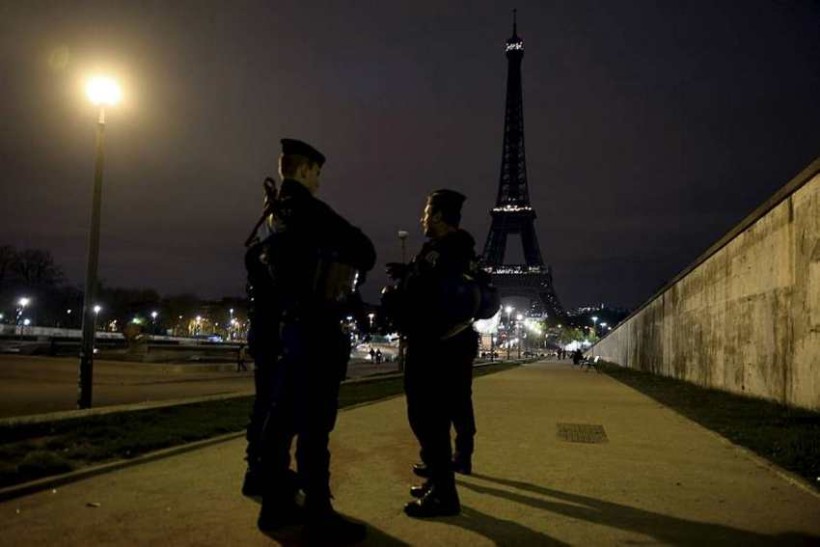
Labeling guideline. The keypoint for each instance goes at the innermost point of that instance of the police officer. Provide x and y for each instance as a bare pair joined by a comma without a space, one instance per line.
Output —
313,257
441,345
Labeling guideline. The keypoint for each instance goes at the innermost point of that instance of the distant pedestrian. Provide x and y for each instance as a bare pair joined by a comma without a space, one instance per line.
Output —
241,355
577,356
378,356
372,353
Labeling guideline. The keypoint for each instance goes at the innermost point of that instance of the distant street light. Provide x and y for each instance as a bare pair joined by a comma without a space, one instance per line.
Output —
102,92
23,302
371,316
509,310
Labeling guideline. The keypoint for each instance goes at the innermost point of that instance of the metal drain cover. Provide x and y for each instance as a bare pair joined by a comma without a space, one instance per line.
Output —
582,433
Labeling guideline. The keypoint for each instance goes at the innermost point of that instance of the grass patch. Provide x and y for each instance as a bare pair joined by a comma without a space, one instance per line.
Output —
786,436
32,451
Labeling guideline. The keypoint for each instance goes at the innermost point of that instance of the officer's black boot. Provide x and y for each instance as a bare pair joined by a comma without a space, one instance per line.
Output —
463,464
279,507
323,525
421,470
418,491
252,483
438,501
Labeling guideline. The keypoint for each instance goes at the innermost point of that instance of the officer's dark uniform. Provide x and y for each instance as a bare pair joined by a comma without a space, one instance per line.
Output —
264,313
441,346
312,250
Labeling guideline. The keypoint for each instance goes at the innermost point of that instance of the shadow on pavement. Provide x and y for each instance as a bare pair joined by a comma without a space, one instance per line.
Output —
500,531
291,536
664,528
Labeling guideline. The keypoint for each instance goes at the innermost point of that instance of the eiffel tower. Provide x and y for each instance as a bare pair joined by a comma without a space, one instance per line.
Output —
512,213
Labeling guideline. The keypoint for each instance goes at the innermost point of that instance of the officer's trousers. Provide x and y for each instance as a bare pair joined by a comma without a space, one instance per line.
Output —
463,414
263,376
434,374
304,404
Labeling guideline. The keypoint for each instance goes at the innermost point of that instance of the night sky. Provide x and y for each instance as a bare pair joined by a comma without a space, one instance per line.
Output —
651,127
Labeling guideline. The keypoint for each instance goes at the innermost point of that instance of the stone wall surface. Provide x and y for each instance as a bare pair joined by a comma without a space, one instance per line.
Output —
745,317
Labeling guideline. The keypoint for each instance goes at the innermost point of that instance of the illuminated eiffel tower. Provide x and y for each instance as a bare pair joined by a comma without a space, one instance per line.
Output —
512,213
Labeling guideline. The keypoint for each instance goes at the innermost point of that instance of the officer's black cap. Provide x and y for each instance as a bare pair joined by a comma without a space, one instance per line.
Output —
449,203
293,147
448,200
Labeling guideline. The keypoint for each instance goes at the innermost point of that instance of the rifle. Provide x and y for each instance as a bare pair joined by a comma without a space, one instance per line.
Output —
269,208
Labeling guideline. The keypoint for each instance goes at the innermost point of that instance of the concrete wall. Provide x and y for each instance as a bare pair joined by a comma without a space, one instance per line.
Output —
745,317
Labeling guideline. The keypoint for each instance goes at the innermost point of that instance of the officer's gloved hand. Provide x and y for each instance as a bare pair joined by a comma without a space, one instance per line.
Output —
396,270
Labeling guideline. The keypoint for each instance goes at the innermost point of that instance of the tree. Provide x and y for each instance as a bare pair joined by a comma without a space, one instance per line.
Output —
7,257
35,268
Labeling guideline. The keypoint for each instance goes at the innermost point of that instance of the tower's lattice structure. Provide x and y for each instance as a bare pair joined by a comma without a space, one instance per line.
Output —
512,213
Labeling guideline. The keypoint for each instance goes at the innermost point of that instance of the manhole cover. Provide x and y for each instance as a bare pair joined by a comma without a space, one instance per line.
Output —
582,433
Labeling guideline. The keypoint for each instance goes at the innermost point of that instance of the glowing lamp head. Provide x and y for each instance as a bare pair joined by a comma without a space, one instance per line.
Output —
103,91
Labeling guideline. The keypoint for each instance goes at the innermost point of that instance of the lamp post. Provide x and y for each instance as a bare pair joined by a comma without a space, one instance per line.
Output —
102,92
509,310
595,325
518,318
403,240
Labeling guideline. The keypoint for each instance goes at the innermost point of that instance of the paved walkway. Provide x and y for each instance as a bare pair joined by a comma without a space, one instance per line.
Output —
659,479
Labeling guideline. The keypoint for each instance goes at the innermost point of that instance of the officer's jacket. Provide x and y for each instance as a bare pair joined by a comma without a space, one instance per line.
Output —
307,236
435,287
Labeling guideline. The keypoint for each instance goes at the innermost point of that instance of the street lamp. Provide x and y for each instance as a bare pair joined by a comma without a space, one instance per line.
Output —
22,303
101,92
403,239
509,310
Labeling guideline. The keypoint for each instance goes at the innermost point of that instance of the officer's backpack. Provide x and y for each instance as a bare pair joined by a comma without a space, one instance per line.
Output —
489,298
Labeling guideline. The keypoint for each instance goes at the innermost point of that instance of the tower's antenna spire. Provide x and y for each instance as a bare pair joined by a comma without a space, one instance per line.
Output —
515,22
